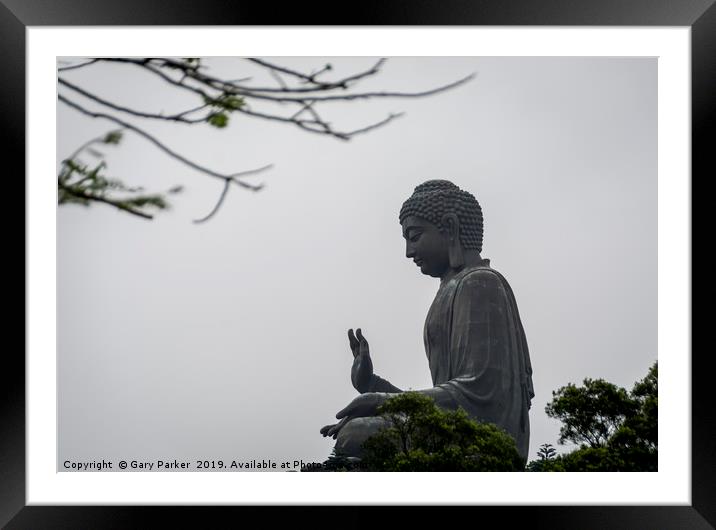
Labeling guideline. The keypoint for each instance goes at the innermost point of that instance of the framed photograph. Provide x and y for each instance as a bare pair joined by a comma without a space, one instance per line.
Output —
188,300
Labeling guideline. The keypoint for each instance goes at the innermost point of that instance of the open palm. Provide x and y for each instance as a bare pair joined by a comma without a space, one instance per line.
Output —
362,369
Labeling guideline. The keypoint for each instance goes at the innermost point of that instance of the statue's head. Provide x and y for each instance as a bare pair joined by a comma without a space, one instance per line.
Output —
440,222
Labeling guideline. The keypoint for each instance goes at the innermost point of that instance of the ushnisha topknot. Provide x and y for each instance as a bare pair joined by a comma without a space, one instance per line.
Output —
432,199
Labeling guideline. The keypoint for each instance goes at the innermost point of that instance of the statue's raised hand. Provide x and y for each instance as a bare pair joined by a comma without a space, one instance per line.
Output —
362,370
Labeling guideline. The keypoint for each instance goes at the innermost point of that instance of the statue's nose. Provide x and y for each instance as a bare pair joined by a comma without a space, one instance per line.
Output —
409,251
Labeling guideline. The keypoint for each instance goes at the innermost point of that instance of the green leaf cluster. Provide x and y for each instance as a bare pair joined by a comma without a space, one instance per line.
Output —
81,184
224,104
192,62
424,437
617,430
112,137
218,120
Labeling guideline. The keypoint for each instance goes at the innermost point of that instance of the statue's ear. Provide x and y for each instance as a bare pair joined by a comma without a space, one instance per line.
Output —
451,226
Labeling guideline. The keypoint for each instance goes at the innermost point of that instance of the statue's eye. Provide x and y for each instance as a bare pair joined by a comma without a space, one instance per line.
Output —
415,237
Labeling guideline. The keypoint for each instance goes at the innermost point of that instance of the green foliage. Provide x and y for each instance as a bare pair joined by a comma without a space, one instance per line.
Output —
547,458
546,452
423,437
591,413
224,104
229,102
79,183
192,62
637,439
592,459
218,119
618,430
112,137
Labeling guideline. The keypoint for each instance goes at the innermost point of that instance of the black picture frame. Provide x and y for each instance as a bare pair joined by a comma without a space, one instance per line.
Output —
699,15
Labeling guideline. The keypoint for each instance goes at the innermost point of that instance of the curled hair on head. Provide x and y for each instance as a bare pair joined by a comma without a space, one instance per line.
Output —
433,199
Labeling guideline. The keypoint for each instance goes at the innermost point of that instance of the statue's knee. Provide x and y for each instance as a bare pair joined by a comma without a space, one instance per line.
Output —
355,432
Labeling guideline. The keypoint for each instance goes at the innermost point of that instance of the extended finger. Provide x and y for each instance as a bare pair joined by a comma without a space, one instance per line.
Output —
353,342
326,428
333,431
363,342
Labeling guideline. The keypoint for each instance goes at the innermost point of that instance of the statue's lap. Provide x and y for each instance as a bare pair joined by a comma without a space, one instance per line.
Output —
355,432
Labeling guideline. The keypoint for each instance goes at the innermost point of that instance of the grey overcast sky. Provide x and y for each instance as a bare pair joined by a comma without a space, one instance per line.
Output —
227,340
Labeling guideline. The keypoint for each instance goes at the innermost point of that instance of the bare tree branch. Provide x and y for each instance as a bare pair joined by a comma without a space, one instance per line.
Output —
350,97
145,63
75,66
159,144
311,78
300,111
221,98
175,117
305,102
249,92
225,191
195,109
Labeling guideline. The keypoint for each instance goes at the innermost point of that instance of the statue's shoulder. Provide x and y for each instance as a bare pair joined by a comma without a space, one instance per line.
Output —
482,280
481,276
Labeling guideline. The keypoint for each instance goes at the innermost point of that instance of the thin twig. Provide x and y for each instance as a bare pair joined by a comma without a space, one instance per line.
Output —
249,92
374,70
323,126
311,78
326,68
360,95
288,71
144,63
303,124
278,79
390,118
300,111
248,172
225,190
200,107
84,146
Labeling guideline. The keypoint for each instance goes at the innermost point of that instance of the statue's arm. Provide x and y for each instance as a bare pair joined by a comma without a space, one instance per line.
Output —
378,384
441,396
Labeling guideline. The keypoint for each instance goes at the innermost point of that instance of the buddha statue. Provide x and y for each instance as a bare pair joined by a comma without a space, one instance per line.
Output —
473,336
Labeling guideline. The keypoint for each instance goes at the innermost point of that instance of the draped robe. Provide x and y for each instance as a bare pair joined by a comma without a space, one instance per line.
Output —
478,357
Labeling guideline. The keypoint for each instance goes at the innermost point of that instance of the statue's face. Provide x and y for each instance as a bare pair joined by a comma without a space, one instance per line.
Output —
426,245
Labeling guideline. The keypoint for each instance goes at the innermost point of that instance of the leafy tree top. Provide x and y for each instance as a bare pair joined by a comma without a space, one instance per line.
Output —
424,437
